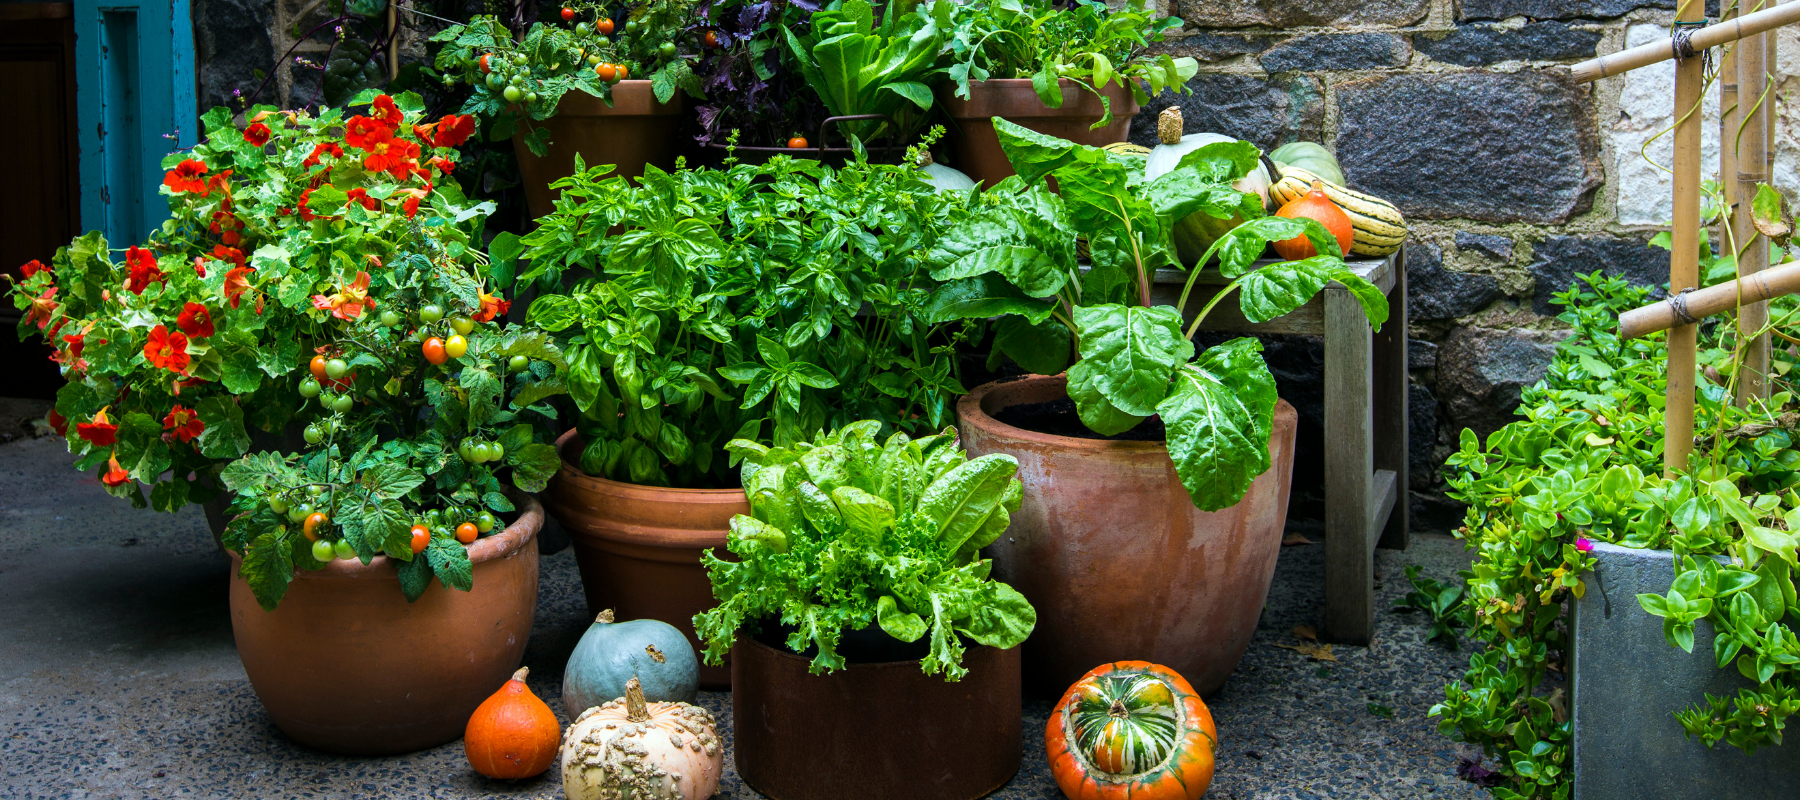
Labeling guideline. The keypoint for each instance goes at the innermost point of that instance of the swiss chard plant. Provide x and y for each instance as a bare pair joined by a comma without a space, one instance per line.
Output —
763,302
860,64
1087,42
1013,256
846,531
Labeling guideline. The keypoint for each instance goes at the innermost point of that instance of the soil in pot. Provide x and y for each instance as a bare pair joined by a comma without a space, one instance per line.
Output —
633,132
397,676
1059,418
1113,554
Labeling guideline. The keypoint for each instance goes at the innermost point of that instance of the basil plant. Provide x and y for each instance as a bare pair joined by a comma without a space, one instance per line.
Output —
1014,256
844,532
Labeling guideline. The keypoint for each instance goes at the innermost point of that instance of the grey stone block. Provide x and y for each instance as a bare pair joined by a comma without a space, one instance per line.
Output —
1560,258
1337,51
1263,111
1300,13
1496,247
1482,44
1628,684
1438,293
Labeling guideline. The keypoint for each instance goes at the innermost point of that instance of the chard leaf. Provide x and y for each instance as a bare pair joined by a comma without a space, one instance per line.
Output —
1128,353
1218,419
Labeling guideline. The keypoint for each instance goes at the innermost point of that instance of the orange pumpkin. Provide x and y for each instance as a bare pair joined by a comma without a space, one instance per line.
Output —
512,734
1315,205
1131,729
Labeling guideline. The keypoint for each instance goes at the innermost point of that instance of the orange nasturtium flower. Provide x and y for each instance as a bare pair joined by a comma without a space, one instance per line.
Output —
491,307
101,432
115,474
41,308
348,303
183,424
237,281
167,349
188,176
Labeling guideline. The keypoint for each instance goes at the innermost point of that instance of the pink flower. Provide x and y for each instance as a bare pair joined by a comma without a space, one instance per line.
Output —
1582,544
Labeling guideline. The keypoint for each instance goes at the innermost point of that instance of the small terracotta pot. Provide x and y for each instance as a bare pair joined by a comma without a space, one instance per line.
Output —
974,147
638,547
635,131
346,665
1113,554
874,731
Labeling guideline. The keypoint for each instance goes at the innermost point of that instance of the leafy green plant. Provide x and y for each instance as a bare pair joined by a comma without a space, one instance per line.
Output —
859,67
845,532
1090,43
1014,256
763,302
1442,603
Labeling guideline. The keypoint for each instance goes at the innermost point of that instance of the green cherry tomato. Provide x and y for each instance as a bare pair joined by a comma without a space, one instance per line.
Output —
390,318
313,435
335,368
467,451
484,522
343,403
300,512
667,49
462,324
518,363
512,94
431,313
315,490
496,451
323,550
309,388
344,550
531,97
631,26
278,504
494,81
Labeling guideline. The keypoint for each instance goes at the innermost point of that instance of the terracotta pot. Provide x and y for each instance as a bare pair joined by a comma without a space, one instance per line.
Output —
974,147
635,131
884,731
639,547
346,665
1113,554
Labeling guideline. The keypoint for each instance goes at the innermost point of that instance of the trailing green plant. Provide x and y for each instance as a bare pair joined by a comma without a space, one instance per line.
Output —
845,531
861,65
762,302
1013,256
1442,603
1090,43
1584,465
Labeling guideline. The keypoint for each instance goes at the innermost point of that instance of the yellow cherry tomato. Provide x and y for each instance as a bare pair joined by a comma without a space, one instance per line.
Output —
456,346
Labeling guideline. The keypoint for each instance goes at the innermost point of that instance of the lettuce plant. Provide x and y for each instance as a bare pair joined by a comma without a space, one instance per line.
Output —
844,532
1014,257
861,65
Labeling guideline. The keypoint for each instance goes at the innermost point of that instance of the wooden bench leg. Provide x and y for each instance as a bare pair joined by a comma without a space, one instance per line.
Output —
1349,470
1392,401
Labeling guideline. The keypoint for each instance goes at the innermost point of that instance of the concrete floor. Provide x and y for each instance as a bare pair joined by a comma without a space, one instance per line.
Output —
119,679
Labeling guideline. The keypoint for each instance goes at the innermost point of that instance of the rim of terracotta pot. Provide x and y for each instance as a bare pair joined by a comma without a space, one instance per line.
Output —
1017,98
636,490
630,98
490,548
970,408
782,652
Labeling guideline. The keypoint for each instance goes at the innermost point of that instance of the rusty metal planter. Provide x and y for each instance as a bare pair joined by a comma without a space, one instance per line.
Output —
1113,554
881,731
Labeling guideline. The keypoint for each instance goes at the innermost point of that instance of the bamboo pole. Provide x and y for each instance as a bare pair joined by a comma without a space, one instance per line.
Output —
1703,39
1728,124
1753,248
1684,261
1660,316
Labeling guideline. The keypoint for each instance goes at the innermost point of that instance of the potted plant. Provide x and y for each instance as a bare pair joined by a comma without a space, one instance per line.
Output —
858,577
597,86
316,273
763,302
1074,71
1092,546
757,91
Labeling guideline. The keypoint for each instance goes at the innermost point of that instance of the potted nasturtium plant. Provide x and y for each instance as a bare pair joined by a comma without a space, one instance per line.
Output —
1130,370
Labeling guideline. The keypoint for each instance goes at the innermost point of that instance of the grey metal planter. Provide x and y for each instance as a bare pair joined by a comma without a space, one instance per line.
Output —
1628,683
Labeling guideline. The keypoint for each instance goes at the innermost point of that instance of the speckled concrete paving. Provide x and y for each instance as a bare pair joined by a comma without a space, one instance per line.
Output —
118,678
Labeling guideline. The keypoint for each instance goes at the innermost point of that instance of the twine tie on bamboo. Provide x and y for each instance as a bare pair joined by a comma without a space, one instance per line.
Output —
1678,303
1682,43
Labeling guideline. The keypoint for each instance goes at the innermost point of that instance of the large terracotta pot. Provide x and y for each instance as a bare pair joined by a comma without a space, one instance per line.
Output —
639,547
874,731
635,131
1116,559
346,665
974,147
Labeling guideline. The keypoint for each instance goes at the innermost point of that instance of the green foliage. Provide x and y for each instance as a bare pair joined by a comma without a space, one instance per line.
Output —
1089,43
763,302
845,532
1442,604
860,67
1013,253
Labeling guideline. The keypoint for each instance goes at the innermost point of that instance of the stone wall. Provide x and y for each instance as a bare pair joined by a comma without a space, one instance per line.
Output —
1513,178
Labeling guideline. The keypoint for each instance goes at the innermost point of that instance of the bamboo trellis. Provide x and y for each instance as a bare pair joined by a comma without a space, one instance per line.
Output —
1746,160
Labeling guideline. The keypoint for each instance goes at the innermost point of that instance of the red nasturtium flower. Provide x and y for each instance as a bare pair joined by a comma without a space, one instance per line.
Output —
452,130
257,134
350,300
70,354
361,195
322,149
364,132
221,182
41,308
183,424
57,423
491,307
195,321
442,164
115,474
383,109
237,281
231,254
188,176
33,267
167,349
396,157
142,264
101,432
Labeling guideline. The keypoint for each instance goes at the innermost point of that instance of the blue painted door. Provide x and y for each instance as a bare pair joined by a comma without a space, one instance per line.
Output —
134,90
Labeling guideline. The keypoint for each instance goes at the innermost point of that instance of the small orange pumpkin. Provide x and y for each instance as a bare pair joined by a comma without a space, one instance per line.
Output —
1315,205
512,734
1131,729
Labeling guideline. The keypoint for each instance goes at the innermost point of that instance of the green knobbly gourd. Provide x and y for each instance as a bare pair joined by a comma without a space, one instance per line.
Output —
894,542
612,653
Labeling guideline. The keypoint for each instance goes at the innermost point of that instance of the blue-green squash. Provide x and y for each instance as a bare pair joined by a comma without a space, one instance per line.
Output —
1309,156
612,653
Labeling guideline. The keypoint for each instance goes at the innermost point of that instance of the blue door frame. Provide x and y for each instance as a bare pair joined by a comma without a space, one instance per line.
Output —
134,95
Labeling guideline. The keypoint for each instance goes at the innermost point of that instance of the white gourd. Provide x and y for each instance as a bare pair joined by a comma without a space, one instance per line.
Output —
946,179
627,749
1166,156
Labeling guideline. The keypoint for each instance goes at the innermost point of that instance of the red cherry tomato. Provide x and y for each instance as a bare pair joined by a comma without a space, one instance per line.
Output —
484,64
467,532
318,369
712,39
421,538
606,72
434,351
797,143
568,14
311,527
604,27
